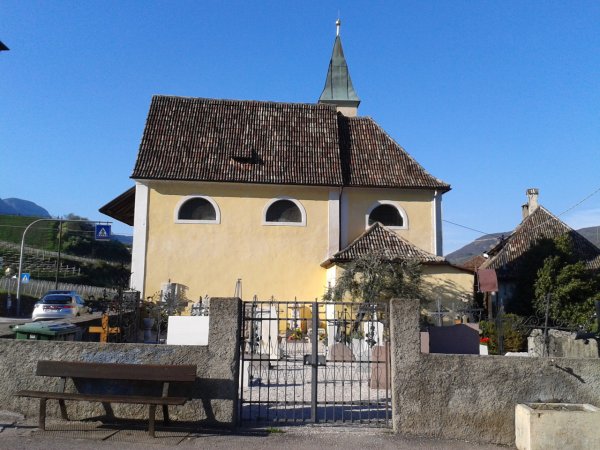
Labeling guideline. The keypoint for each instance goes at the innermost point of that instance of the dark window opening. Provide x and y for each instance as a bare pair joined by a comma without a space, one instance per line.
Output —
284,211
387,215
197,209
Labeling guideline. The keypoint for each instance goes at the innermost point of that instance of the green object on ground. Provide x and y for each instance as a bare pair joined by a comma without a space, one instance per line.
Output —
47,331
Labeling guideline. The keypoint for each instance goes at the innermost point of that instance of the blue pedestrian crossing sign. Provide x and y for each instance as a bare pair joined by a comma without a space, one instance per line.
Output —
102,232
25,277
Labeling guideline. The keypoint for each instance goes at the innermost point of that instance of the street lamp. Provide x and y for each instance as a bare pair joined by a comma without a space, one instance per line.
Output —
23,246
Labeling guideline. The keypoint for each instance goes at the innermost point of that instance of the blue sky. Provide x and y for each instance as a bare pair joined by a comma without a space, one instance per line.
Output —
491,97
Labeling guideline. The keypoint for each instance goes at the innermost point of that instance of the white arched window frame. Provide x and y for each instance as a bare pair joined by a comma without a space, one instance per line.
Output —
395,205
302,223
181,202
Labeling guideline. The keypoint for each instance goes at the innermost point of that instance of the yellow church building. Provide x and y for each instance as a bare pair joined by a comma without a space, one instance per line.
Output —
276,195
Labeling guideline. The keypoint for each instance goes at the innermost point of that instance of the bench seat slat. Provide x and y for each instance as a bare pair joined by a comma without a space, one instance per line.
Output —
147,400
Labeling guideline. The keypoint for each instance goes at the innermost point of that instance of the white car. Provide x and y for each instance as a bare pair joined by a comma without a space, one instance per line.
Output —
59,306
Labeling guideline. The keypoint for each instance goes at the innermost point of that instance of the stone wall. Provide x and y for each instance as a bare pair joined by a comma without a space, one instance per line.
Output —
561,344
473,397
214,393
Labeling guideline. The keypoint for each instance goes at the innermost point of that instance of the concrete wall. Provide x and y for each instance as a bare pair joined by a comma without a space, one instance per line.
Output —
473,397
214,394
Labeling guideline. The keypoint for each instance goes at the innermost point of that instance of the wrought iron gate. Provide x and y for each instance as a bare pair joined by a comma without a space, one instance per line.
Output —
315,362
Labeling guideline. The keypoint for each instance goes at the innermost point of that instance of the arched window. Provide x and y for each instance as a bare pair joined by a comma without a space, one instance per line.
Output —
388,214
197,209
284,212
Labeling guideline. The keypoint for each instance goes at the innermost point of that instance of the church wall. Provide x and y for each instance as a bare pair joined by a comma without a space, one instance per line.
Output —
280,261
356,203
449,284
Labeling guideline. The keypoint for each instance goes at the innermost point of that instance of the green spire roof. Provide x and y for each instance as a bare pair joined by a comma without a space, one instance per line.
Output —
338,85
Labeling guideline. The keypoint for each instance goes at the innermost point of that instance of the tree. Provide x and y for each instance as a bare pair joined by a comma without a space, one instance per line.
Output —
78,239
572,288
529,264
374,278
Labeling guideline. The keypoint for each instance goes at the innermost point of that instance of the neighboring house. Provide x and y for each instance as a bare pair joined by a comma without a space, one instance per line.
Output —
273,194
506,258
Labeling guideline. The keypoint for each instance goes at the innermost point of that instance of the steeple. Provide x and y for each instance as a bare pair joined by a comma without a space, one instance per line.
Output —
338,85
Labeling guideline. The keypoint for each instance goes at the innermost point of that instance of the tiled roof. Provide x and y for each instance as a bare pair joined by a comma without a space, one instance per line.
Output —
593,264
198,139
538,225
239,141
473,263
121,208
378,238
372,158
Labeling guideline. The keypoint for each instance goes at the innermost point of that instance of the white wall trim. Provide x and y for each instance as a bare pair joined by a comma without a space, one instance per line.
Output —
140,238
189,197
345,219
437,224
396,205
302,223
334,222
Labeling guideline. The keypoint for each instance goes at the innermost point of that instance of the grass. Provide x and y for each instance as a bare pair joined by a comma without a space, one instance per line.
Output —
274,430
43,235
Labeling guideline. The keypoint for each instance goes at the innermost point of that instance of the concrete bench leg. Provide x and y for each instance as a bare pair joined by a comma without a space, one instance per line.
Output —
166,419
63,410
152,416
42,419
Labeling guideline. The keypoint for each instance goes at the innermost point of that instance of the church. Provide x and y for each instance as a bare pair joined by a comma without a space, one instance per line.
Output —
270,199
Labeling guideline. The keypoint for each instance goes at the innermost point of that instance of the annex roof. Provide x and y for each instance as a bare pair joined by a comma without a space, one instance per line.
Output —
540,224
378,238
198,139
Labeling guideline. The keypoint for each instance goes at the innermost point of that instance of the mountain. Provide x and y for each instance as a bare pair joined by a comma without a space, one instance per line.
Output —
19,207
592,234
477,247
485,243
123,239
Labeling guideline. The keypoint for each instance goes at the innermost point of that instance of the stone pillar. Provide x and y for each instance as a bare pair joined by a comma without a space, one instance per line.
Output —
404,331
224,346
405,343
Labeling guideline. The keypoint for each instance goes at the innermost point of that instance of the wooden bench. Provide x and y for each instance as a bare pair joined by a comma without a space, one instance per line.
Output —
130,373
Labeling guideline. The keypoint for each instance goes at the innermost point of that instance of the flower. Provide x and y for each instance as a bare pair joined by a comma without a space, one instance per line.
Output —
484,341
295,334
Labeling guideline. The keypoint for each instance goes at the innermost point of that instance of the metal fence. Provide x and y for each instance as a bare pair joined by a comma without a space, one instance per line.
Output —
37,288
315,362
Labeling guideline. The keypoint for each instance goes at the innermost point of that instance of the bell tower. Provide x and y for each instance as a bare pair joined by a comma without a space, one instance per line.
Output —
338,88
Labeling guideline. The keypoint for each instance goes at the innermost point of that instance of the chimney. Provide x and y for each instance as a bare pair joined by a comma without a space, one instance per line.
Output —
532,202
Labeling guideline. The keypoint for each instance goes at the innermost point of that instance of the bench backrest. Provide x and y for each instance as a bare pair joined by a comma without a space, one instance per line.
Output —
115,371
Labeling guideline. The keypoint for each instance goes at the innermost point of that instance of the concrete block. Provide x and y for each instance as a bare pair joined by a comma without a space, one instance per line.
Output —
550,426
